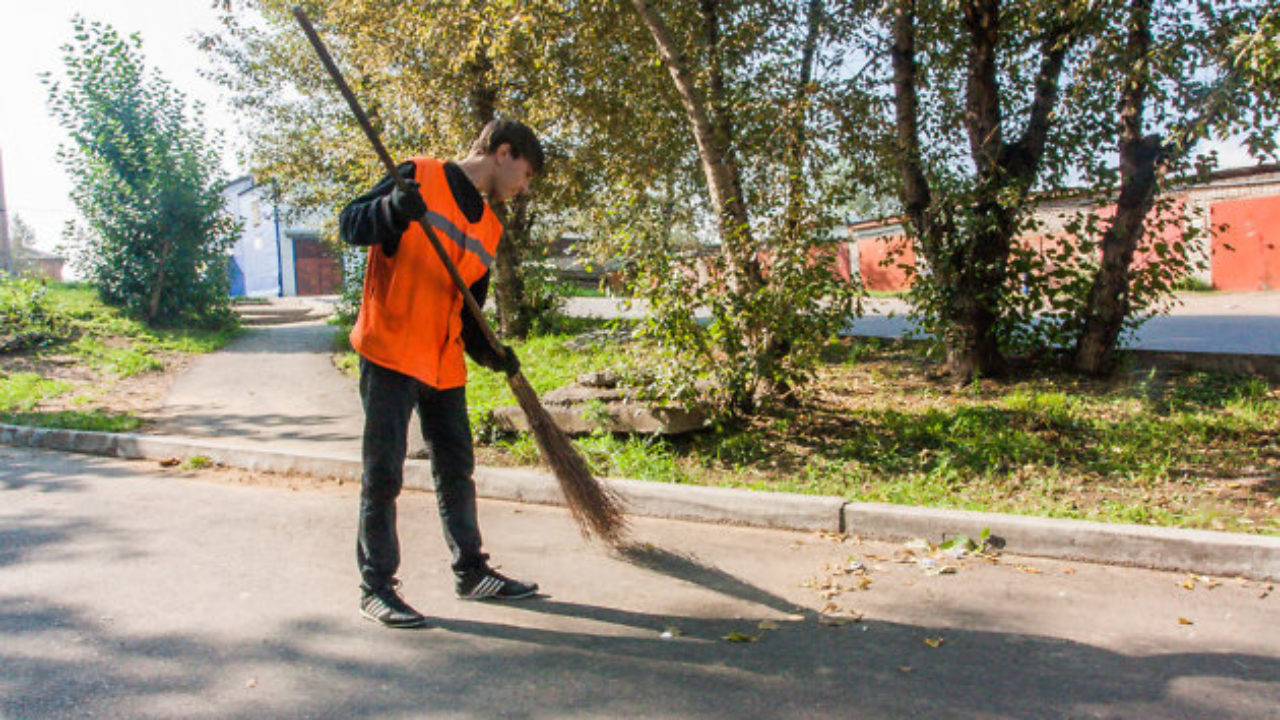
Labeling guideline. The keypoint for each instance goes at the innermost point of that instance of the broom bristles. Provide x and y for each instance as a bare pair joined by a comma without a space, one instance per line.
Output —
596,508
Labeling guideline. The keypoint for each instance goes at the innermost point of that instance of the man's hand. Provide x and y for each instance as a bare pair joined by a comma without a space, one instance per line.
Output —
407,205
508,363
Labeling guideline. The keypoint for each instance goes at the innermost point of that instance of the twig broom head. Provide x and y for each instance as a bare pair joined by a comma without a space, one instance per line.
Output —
597,510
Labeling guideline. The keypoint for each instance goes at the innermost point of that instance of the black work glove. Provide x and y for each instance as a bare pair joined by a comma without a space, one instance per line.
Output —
508,363
406,205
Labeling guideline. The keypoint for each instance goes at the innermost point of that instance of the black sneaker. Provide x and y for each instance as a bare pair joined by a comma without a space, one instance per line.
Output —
484,583
385,607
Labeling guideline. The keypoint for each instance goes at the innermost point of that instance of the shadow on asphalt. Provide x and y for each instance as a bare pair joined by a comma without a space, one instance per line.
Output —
688,568
308,337
22,538
23,470
193,420
322,669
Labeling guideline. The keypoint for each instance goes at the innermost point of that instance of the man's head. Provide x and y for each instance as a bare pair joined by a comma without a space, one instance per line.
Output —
515,154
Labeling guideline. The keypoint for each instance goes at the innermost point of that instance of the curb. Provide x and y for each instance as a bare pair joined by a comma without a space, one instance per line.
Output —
1197,551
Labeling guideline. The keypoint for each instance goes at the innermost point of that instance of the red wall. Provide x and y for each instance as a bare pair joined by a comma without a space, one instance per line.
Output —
1246,256
875,274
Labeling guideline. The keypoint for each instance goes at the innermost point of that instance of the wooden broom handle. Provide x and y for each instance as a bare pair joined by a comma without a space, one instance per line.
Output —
390,165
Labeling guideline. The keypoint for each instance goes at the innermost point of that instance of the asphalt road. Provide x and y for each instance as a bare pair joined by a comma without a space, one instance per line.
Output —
132,591
1219,322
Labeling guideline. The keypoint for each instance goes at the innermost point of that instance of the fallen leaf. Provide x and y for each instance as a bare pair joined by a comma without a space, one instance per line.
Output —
252,682
1184,621
1189,584
767,625
840,620
906,670
735,637
1266,591
170,462
1028,569
1068,571
918,544
935,642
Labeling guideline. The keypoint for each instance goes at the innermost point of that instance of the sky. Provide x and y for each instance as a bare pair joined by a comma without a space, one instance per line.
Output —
31,34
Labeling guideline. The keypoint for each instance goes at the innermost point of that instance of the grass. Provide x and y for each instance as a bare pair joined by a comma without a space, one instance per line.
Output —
95,348
24,390
1183,450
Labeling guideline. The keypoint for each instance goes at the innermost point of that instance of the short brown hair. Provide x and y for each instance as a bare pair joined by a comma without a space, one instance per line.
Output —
524,144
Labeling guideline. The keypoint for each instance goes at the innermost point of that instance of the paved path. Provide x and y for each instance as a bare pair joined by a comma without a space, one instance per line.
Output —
1246,323
130,591
274,384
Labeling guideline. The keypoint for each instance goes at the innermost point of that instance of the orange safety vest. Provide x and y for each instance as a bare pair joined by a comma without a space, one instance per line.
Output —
411,317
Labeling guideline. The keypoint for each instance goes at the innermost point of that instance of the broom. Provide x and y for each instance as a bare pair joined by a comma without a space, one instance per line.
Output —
595,508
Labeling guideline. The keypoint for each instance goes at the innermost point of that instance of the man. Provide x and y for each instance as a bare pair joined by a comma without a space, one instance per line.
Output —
411,334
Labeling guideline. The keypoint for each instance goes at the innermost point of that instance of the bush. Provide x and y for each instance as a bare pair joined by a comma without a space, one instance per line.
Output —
26,320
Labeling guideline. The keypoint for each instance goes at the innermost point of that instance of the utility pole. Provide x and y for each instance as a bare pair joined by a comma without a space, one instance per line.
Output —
6,256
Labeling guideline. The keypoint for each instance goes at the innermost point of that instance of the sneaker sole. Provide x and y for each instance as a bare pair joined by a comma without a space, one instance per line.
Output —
522,596
406,625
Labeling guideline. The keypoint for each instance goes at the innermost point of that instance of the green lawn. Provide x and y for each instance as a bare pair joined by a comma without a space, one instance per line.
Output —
1182,450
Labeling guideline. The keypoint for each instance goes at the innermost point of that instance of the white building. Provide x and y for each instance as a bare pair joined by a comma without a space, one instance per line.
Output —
273,258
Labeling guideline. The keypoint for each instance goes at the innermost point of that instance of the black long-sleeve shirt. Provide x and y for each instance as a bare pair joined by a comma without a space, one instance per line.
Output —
369,220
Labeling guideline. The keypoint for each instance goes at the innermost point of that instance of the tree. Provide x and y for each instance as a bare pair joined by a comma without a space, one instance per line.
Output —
965,209
23,241
1214,94
1010,101
145,179
431,75
751,85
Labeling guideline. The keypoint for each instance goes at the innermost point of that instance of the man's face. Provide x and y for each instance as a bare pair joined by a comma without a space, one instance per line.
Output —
511,176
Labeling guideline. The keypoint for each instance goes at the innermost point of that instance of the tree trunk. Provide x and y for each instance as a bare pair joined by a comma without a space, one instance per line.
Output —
1108,304
506,281
797,146
1140,157
712,136
514,315
157,290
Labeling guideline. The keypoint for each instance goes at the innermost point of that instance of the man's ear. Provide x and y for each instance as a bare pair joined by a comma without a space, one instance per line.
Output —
503,152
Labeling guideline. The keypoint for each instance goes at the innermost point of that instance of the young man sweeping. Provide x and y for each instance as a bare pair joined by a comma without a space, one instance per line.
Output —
411,334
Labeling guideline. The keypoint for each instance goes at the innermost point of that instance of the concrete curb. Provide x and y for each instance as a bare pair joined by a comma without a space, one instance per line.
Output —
1197,551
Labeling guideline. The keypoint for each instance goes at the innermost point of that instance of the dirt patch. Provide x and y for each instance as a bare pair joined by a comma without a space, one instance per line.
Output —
141,395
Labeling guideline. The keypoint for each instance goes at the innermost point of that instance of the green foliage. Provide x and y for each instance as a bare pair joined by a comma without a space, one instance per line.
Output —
26,321
23,391
92,420
197,462
429,93
109,340
146,181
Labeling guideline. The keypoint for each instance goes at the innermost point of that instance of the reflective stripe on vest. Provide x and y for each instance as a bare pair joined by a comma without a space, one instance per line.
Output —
410,318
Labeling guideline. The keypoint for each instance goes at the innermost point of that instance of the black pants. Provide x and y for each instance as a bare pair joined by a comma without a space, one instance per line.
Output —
389,398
